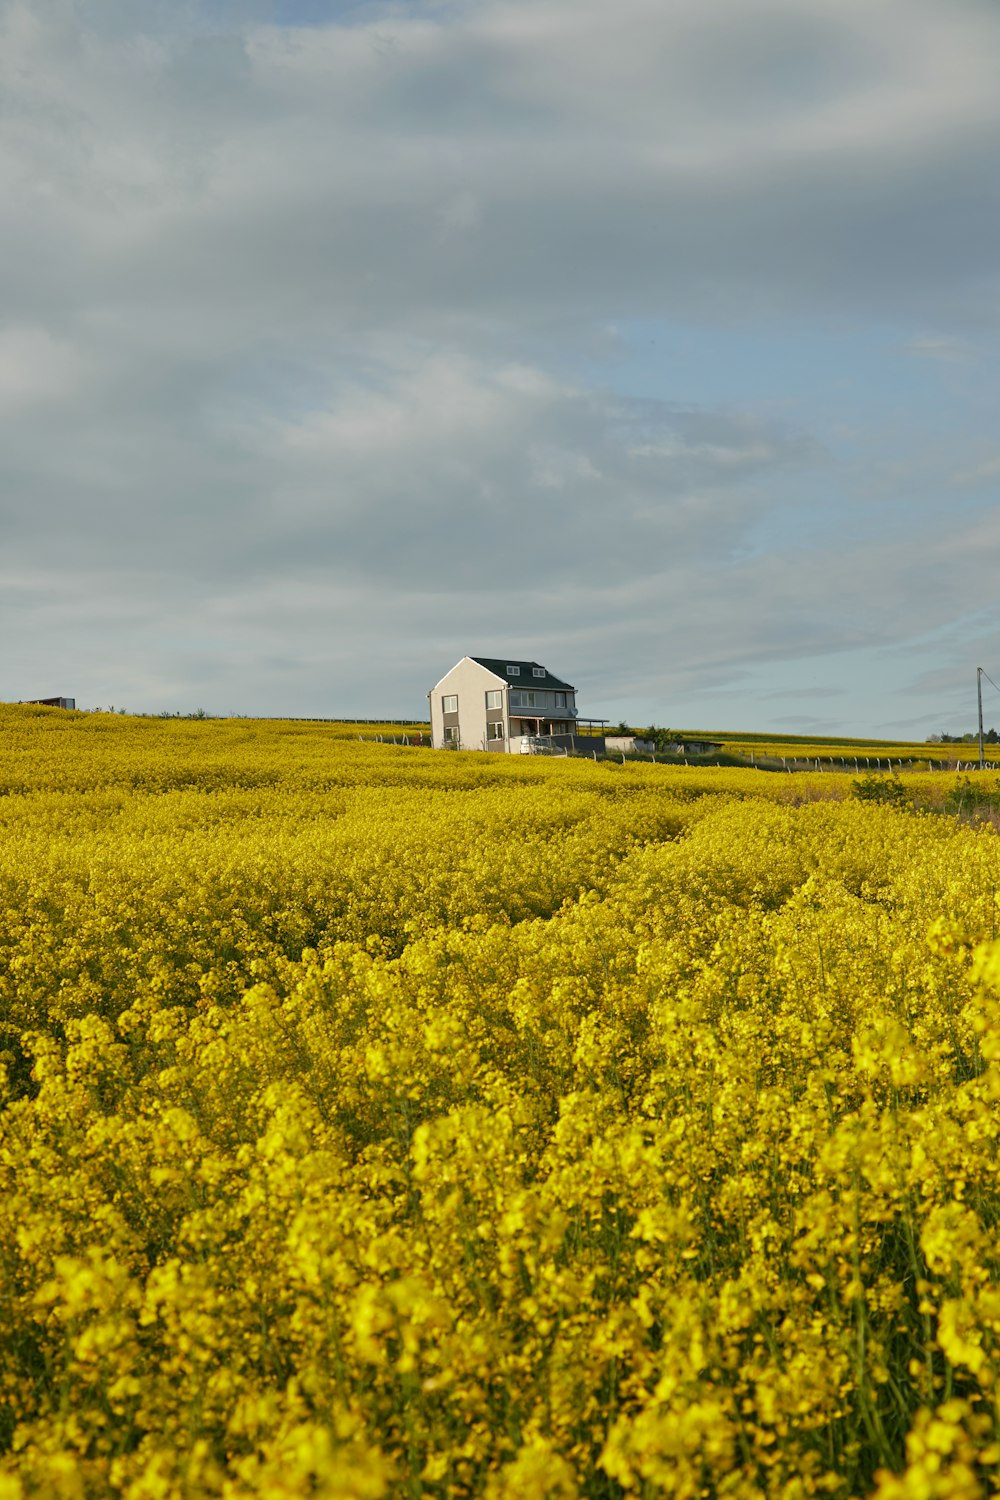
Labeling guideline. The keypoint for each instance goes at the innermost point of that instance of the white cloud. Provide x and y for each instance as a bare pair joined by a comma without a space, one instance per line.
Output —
979,473
460,214
633,160
36,367
947,349
295,321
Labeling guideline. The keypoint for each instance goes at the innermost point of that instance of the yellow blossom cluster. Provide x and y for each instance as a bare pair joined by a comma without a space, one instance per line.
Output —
381,1122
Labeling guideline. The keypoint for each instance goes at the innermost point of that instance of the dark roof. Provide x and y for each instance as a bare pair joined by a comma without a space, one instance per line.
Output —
526,677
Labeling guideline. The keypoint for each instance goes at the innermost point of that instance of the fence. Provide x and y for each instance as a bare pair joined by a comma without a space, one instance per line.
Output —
593,746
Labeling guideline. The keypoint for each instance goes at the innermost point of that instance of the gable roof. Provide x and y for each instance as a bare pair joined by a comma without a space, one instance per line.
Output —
526,677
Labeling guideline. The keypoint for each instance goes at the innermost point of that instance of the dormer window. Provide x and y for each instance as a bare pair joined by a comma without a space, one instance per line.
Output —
513,671
538,671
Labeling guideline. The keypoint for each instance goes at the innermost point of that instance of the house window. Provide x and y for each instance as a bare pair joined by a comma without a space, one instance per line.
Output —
449,703
495,730
522,699
538,671
513,671
560,700
494,699
451,734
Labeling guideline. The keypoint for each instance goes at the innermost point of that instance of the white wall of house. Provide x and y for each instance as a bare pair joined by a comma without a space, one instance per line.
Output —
470,683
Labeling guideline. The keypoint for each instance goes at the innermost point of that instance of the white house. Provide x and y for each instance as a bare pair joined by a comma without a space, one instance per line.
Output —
493,703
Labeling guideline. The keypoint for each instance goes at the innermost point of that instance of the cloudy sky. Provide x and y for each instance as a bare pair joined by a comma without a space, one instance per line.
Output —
655,340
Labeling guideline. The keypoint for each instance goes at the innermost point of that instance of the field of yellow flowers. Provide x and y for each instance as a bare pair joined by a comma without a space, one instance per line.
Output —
383,1122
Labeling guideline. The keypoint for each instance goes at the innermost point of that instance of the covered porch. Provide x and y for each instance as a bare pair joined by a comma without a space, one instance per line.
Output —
546,736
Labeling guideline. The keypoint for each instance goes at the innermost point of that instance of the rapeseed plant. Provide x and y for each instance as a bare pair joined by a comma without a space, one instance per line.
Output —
380,1123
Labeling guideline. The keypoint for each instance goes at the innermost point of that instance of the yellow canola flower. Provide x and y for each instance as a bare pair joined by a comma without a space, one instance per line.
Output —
380,1122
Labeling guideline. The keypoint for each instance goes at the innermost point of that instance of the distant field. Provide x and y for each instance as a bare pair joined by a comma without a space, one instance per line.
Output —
803,741
863,751
790,747
832,751
794,747
349,729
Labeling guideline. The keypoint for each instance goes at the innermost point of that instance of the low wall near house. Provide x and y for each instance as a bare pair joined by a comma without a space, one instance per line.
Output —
628,743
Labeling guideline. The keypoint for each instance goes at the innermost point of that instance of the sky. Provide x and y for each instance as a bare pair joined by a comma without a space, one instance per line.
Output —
657,341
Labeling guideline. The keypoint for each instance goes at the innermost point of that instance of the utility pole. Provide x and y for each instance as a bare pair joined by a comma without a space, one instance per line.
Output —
979,693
